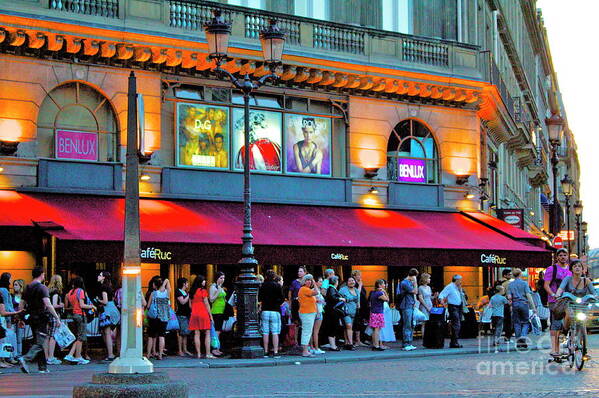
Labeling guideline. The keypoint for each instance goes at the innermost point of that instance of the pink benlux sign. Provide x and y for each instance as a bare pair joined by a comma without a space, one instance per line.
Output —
76,145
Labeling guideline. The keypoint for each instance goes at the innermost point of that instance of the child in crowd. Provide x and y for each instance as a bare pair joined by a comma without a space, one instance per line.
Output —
497,303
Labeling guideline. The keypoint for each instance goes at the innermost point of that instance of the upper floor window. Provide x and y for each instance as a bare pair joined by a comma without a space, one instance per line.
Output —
77,122
317,9
397,16
412,154
258,4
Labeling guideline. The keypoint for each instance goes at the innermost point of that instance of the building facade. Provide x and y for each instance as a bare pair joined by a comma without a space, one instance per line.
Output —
396,129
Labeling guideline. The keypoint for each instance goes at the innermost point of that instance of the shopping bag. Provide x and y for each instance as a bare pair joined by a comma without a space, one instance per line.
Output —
486,315
418,317
543,312
535,320
63,336
214,341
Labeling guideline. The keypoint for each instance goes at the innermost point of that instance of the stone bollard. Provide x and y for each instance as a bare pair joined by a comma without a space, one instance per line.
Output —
139,385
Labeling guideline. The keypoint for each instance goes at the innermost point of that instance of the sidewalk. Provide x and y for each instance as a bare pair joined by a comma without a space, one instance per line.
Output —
470,346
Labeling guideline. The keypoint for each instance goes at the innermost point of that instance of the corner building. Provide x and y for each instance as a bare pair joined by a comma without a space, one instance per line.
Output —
368,153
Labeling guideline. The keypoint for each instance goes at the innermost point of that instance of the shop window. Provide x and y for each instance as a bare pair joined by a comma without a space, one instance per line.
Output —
412,154
189,92
77,122
263,100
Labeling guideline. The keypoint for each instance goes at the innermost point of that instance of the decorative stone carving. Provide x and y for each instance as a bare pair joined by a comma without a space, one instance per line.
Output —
142,54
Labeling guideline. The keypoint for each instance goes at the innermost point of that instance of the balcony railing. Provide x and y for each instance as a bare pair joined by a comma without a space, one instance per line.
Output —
326,37
102,8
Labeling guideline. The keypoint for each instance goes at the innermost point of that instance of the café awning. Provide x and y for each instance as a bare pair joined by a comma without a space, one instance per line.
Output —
90,228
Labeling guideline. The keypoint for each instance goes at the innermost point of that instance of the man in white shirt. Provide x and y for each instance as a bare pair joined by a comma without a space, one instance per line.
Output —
452,296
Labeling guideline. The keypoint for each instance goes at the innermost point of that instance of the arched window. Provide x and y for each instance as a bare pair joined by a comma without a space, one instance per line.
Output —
77,117
412,154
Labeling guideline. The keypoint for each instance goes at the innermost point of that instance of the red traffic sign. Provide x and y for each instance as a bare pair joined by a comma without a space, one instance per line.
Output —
558,242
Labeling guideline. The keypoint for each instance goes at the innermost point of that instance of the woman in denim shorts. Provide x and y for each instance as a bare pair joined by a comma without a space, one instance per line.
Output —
183,314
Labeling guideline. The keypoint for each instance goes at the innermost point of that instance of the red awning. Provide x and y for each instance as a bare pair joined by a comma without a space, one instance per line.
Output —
204,231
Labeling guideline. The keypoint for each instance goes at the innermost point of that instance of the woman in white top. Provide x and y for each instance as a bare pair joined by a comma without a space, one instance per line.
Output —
425,296
387,332
315,349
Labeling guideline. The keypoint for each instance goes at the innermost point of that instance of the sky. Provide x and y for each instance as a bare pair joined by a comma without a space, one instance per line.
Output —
572,30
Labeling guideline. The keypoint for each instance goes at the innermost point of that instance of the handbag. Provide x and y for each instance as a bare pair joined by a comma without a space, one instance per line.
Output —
214,341
340,310
229,324
535,320
104,320
153,309
559,309
228,312
173,322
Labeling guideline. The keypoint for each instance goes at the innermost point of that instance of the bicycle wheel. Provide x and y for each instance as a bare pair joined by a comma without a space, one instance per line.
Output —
571,350
581,346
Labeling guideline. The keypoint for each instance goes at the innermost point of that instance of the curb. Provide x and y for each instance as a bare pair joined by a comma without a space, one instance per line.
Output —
297,360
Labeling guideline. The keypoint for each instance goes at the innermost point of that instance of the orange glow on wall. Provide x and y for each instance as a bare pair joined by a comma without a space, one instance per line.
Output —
11,129
460,166
369,158
18,263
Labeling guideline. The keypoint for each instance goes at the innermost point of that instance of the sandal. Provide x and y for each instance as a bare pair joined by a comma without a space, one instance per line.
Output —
308,356
210,356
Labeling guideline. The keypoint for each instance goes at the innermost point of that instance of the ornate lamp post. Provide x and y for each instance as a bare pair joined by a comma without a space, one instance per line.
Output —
584,226
273,41
567,190
555,124
578,212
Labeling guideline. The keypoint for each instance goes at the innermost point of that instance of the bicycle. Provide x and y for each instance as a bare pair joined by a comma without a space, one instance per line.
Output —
576,339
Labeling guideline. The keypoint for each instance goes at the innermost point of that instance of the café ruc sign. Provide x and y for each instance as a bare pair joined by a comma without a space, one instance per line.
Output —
154,253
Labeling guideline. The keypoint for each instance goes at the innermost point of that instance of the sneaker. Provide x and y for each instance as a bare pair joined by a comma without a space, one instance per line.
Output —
409,348
70,358
54,361
24,365
318,351
44,371
82,361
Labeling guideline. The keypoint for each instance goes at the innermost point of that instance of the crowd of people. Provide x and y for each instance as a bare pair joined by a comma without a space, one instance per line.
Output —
311,315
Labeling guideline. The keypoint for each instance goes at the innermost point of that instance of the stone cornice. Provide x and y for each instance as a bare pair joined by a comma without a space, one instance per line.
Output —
186,60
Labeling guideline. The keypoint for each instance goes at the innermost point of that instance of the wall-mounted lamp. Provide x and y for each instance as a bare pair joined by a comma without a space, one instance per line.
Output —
373,190
145,177
469,195
1,169
532,213
462,179
370,172
8,148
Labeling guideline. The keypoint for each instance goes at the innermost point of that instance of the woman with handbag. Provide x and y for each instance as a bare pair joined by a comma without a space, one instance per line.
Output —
307,311
352,298
76,301
18,286
218,301
4,314
55,290
363,313
334,311
377,319
110,316
201,317
158,316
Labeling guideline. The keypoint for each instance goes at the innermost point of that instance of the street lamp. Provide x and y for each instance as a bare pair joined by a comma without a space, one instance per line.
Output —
578,212
584,237
273,41
555,126
567,190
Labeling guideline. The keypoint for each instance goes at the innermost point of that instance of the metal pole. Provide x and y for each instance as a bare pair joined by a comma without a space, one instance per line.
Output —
578,251
248,330
131,359
568,222
554,162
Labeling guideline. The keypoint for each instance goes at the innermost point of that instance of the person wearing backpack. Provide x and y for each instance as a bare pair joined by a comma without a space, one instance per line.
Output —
76,301
36,299
554,275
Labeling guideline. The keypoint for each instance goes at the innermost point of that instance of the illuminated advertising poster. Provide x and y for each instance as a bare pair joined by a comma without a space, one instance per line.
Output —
265,140
202,135
308,144
77,145
411,170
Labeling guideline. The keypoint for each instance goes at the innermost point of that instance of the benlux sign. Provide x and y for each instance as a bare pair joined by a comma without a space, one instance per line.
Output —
492,259
152,253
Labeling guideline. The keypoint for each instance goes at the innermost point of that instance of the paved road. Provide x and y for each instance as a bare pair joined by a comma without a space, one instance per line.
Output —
483,375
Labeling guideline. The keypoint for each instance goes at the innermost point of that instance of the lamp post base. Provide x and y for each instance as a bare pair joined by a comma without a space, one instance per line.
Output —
130,366
131,386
